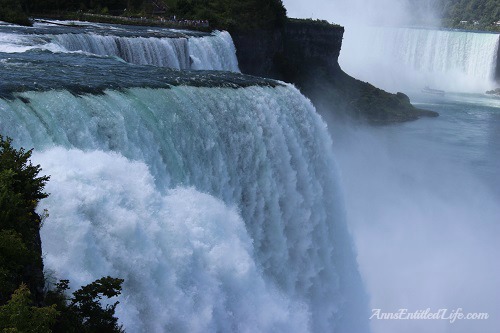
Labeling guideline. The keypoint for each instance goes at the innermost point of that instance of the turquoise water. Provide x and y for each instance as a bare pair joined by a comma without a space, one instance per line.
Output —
247,166
213,194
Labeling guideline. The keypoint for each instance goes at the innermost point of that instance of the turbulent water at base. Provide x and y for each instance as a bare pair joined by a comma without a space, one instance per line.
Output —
398,58
422,199
165,48
214,195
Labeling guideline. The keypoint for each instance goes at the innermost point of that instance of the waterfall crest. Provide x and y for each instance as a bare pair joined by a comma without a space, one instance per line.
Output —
405,57
219,207
213,51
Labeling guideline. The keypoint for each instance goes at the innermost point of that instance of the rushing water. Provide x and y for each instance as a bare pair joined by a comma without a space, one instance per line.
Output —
403,58
423,198
213,194
138,45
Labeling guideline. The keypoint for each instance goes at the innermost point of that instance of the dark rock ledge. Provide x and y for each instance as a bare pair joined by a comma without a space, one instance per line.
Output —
305,53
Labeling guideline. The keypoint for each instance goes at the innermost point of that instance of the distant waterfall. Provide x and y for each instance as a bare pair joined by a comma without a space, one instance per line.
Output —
215,52
402,57
219,207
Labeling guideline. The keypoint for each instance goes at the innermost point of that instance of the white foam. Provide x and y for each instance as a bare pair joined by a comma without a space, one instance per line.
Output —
266,156
186,257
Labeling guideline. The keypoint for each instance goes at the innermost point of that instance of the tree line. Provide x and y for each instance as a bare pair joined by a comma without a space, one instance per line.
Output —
479,14
222,14
236,14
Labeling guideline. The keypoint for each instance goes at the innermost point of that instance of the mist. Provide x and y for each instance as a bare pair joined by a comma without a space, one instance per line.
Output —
422,197
397,45
425,224
409,59
355,13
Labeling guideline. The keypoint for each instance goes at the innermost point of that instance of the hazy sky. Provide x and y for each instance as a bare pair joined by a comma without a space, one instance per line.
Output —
347,12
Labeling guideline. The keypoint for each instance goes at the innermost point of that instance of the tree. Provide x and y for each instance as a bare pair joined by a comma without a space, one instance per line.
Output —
18,315
21,189
11,11
83,313
479,14
14,256
234,14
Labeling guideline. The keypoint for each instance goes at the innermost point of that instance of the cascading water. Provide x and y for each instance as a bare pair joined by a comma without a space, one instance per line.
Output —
405,58
189,260
214,51
214,195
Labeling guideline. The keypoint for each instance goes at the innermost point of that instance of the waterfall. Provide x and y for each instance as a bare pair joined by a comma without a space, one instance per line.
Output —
219,207
214,51
397,58
214,195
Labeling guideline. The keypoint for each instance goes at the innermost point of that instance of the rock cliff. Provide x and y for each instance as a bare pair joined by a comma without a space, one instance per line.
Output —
305,53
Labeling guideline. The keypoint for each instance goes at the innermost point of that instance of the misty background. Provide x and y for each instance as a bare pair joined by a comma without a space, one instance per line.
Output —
421,197
365,12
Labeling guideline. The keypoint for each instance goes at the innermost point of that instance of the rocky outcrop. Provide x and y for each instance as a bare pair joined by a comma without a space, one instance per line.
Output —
305,53
257,51
273,53
495,92
313,42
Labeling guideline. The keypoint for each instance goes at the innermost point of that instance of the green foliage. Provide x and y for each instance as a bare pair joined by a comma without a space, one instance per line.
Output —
28,184
14,256
50,6
83,313
19,316
11,11
479,14
234,14
114,7
16,213
310,21
20,191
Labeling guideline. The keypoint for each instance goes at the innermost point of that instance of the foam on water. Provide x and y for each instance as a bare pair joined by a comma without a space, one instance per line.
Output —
220,207
187,258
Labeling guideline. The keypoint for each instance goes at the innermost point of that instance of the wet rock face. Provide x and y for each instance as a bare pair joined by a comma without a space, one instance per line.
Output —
257,50
312,41
301,43
305,53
